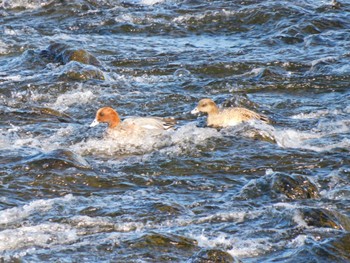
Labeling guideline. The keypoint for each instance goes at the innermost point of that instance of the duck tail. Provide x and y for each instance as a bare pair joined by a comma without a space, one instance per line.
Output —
264,118
169,123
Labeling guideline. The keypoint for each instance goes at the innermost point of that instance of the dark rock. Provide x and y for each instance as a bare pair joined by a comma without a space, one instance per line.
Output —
62,53
164,240
62,117
320,217
169,209
76,71
339,248
213,256
79,64
294,187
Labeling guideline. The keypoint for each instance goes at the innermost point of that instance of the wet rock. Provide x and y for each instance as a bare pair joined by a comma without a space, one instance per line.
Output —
63,53
294,187
164,241
36,114
76,71
213,256
63,117
58,159
169,209
79,64
335,249
320,217
339,248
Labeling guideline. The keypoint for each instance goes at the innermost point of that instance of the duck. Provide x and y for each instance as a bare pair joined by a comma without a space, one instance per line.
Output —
111,117
220,118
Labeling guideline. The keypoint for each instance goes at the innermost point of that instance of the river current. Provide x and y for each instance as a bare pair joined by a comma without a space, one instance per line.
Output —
255,192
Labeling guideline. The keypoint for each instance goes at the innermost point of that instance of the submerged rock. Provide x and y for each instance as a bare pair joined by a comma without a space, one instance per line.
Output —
32,114
63,117
58,159
77,71
161,247
63,53
213,256
293,187
339,248
320,217
169,209
164,240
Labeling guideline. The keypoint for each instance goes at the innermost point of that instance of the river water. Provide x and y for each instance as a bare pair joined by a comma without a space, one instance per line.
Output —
255,192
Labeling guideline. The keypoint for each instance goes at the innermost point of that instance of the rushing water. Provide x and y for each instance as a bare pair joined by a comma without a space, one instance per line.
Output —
256,192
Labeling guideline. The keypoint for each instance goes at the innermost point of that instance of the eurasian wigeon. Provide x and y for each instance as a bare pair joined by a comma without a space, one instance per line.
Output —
226,117
111,117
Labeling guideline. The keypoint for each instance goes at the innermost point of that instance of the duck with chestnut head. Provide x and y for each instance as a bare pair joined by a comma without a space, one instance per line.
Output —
111,117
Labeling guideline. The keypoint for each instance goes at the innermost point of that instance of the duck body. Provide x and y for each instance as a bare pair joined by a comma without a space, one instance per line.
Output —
226,117
111,117
149,123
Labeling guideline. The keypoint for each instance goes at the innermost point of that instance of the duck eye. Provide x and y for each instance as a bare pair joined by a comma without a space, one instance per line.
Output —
102,114
204,105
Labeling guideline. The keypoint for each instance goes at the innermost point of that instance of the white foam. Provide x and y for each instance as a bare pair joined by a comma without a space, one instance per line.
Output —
64,101
205,241
88,222
42,235
237,217
190,133
334,127
16,214
151,2
322,60
186,138
3,48
347,109
320,138
84,222
299,241
189,17
250,248
16,137
298,219
122,143
59,36
289,138
13,78
239,246
311,115
124,18
28,4
28,95
11,138
316,114
269,171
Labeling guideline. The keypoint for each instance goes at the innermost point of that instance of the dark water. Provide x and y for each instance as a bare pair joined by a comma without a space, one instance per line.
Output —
256,192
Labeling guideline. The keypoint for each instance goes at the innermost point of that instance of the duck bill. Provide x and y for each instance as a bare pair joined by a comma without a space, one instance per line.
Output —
195,111
94,123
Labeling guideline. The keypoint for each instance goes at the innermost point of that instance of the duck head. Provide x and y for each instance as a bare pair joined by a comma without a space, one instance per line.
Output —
106,115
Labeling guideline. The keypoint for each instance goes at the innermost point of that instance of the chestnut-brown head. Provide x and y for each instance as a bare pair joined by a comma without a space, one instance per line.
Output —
106,115
206,106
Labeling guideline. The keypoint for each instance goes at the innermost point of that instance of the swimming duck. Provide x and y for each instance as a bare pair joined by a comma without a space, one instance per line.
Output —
226,117
110,116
